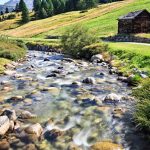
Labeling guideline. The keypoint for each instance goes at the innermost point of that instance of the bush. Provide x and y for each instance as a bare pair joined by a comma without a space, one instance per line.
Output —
75,39
142,110
96,48
11,16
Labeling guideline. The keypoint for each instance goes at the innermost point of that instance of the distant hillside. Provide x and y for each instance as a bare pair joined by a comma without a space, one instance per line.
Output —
12,3
102,20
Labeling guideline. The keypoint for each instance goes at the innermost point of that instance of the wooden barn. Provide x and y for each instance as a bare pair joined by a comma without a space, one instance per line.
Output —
134,22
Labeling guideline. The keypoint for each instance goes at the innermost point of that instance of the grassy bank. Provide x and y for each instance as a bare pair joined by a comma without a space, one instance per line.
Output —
131,56
10,51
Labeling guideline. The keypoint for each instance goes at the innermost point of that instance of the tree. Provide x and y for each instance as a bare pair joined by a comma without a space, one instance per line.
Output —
2,13
17,8
56,4
7,10
42,13
25,11
76,38
91,3
50,10
36,5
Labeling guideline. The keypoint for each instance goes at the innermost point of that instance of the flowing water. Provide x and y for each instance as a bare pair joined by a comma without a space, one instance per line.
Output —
76,110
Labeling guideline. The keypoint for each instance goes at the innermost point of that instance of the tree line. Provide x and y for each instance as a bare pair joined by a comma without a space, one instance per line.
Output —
48,8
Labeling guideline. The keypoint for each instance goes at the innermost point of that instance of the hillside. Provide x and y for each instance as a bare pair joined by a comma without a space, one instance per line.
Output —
103,20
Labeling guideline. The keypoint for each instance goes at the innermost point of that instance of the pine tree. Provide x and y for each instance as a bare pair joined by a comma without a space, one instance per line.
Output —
2,13
62,6
25,11
56,4
36,5
7,10
42,13
50,10
17,8
91,3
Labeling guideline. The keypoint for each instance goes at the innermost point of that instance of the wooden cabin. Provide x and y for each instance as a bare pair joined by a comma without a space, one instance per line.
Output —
134,22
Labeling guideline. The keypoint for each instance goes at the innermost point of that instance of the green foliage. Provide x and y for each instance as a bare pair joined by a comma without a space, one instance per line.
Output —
36,5
142,110
93,49
12,50
75,39
25,13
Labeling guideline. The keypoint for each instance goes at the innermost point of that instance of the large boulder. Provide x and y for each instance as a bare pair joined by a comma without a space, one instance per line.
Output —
106,146
4,124
34,129
97,58
112,98
11,114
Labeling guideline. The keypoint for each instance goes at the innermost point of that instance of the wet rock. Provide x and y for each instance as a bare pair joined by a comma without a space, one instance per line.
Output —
27,101
16,98
143,75
76,83
113,70
34,129
9,66
112,98
4,145
106,146
27,115
56,72
118,112
46,59
12,125
4,124
51,75
5,82
53,134
69,60
11,114
123,79
53,90
89,80
97,58
9,72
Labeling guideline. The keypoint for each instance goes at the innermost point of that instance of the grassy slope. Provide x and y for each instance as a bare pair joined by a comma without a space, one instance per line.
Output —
93,18
103,20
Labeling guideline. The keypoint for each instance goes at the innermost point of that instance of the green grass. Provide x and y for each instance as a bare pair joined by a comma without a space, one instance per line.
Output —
140,49
10,50
131,56
142,110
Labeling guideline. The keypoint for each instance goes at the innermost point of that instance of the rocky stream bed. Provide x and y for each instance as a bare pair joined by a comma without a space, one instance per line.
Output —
52,102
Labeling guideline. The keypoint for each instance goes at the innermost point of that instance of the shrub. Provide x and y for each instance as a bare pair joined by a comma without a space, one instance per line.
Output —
75,39
96,48
142,110
11,16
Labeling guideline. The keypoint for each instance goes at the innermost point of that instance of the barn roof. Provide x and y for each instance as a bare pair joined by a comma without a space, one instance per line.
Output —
132,15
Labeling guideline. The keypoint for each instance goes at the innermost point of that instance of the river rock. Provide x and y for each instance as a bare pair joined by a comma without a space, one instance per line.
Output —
34,129
112,98
113,70
51,75
123,79
97,58
9,72
4,145
27,115
17,98
30,147
46,59
72,146
106,146
53,90
118,112
4,124
52,135
5,82
89,80
69,60
11,114
77,83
